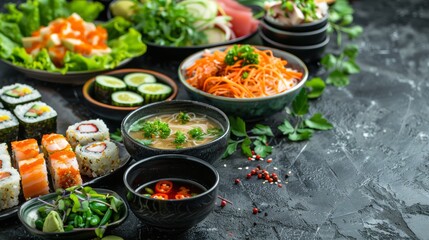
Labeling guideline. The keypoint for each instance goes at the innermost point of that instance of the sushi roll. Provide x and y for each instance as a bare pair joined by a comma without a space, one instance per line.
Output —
97,158
9,126
5,162
64,169
87,131
9,188
53,143
3,148
16,94
25,149
36,119
34,176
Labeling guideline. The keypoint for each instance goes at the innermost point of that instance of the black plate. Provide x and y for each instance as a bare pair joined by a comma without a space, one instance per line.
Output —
124,157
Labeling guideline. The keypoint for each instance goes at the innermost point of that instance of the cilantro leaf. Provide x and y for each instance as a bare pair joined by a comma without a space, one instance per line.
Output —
353,32
180,138
300,103
262,149
286,128
351,51
301,135
260,129
245,147
196,133
316,85
238,126
183,117
244,52
263,139
145,142
232,147
214,131
350,67
116,135
329,61
338,78
317,121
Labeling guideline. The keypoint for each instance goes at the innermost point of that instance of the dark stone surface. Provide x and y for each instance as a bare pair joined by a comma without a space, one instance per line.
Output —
368,178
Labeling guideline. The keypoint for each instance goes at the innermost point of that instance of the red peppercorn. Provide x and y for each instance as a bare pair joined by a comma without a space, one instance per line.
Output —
223,203
249,158
258,156
255,210
279,185
253,152
258,167
237,181
259,176
275,179
253,172
267,177
270,180
249,176
269,160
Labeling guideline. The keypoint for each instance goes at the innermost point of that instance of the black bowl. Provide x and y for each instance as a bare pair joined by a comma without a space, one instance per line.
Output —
294,38
171,215
304,27
209,152
308,54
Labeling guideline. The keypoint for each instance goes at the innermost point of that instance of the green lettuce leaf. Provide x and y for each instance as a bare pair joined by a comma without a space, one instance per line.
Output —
42,61
13,15
127,45
31,20
11,30
117,27
6,46
52,9
88,10
20,57
77,62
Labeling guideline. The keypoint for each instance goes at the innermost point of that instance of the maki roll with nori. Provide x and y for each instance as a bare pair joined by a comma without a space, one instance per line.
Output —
36,119
17,94
9,188
87,131
9,126
97,158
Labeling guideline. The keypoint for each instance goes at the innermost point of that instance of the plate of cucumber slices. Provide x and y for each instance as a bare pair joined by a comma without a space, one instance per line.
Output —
114,94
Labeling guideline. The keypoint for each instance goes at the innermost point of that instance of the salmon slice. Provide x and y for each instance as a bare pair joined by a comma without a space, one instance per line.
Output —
34,176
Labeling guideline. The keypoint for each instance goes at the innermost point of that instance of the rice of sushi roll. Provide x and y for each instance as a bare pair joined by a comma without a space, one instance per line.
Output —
1,105
97,158
3,148
24,149
17,94
9,188
9,126
87,131
34,176
64,169
54,142
5,162
36,119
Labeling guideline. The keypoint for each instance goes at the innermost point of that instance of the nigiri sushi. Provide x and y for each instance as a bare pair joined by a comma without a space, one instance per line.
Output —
9,188
54,142
34,176
64,169
24,149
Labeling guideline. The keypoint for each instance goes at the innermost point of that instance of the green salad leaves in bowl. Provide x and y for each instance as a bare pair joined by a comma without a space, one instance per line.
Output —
57,41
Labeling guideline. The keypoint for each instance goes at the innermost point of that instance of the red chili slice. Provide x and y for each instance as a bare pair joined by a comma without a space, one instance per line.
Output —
184,190
163,186
160,196
87,128
182,196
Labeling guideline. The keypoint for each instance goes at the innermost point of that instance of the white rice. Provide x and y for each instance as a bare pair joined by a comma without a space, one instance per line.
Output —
9,189
11,100
12,122
95,164
75,137
3,148
20,111
5,162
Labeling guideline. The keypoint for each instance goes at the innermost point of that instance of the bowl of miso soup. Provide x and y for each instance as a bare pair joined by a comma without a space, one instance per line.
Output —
171,192
176,127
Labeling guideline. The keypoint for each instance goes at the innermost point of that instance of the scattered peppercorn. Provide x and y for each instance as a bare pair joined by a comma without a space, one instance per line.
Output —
223,203
237,181
249,176
255,210
279,185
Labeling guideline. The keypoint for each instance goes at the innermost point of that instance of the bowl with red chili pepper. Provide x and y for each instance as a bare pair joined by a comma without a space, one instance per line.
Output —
171,192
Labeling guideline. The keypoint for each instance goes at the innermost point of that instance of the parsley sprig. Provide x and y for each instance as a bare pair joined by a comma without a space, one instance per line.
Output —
243,52
341,19
341,66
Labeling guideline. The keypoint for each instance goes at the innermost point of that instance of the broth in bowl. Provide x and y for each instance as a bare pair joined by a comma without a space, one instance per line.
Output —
175,130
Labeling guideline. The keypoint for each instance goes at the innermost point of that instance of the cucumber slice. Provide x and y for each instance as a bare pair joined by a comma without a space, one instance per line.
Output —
153,92
134,80
215,35
126,99
106,85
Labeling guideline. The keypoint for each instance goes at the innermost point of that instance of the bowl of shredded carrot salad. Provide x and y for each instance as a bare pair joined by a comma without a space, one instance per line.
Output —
243,80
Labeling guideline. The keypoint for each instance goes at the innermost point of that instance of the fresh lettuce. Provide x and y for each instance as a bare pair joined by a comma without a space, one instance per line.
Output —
23,19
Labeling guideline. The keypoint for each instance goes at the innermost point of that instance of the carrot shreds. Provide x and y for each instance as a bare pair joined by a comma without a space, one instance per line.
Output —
268,77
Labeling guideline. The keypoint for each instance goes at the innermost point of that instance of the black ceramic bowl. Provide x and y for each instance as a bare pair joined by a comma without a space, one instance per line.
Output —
171,215
294,38
28,213
308,54
304,27
209,152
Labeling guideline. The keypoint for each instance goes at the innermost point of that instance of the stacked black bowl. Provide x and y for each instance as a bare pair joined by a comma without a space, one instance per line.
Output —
306,40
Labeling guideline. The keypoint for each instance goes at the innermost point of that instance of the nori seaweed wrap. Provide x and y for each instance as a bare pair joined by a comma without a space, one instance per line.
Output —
17,94
9,126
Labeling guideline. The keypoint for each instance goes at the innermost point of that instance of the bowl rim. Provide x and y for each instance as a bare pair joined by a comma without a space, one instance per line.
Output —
124,131
90,82
264,24
37,232
243,100
308,47
272,20
182,156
